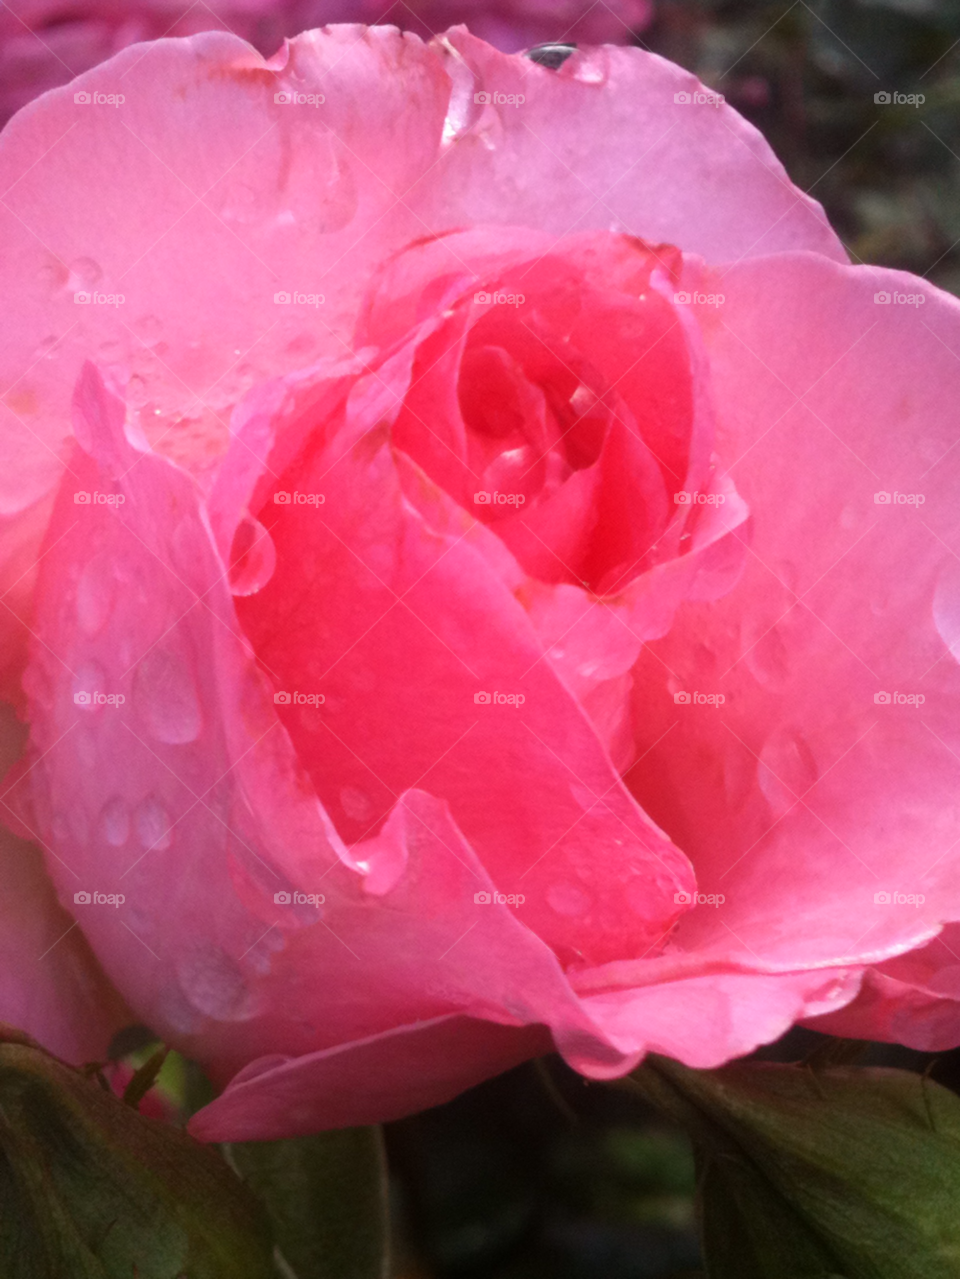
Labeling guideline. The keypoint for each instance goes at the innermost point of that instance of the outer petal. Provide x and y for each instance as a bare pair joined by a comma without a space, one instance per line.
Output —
211,197
50,984
822,810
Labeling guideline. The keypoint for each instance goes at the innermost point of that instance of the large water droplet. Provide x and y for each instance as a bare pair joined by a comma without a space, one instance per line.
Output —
253,557
356,803
568,899
84,274
166,697
946,607
96,593
213,983
113,825
786,770
588,66
767,658
153,826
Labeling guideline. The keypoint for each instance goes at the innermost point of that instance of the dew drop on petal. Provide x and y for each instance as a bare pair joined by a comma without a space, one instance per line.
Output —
253,557
568,899
946,607
165,696
113,824
213,983
786,770
153,826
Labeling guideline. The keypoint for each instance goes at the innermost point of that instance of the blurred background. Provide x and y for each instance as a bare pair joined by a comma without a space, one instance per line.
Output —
540,1173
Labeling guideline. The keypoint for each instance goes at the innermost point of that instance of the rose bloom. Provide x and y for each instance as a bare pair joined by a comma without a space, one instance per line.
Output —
480,577
44,43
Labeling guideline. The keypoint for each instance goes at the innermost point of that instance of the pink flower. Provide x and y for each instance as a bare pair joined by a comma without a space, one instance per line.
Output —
45,43
488,599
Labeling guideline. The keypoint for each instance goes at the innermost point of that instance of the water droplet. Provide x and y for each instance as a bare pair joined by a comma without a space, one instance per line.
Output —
253,557
786,770
113,824
589,66
767,659
138,392
213,983
47,349
568,899
96,594
946,607
166,697
84,274
356,803
153,826
550,56
149,328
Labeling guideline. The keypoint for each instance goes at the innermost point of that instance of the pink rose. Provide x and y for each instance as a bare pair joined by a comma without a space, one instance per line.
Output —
45,43
487,600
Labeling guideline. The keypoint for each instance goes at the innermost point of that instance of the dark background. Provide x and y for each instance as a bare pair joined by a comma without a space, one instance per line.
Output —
539,1173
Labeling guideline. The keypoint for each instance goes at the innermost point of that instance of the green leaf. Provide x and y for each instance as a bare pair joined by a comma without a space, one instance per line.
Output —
326,1196
816,1174
91,1189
